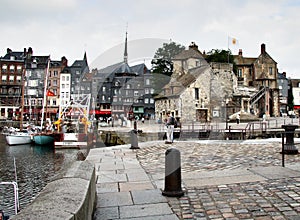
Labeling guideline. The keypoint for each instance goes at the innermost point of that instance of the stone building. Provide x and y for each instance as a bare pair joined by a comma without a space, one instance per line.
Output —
11,83
197,90
259,73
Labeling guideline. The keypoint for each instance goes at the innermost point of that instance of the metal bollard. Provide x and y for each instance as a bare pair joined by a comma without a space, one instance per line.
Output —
172,174
134,140
289,146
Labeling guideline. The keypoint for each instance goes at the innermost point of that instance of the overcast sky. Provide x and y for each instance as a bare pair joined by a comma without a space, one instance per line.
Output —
71,27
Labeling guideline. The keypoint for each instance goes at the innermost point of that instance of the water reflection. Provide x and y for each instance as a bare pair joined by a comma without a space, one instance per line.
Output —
35,167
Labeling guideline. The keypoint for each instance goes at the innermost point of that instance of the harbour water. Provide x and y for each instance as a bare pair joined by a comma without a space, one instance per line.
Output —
35,166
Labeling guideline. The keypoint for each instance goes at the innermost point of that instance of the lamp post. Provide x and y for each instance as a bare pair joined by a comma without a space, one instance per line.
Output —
226,114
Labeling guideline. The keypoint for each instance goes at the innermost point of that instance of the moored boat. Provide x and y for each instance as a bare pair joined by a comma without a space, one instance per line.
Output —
17,138
43,139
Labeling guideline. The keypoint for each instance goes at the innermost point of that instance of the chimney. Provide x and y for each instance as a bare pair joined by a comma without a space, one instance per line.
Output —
284,74
240,52
8,50
64,61
193,46
30,51
263,48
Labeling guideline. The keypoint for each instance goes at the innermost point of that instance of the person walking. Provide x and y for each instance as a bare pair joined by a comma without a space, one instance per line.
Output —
170,128
238,118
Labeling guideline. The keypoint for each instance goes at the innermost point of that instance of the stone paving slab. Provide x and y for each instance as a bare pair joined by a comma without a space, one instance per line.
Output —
130,186
114,199
221,180
275,172
138,211
147,196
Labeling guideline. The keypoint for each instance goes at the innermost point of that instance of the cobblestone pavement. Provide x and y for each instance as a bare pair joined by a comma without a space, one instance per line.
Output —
268,199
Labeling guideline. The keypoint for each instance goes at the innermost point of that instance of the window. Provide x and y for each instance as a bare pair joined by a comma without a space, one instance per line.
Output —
151,90
103,98
12,68
63,78
151,100
55,73
55,82
4,68
240,74
136,93
4,78
68,78
270,70
103,89
146,91
19,69
147,82
197,93
11,78
146,100
62,86
19,78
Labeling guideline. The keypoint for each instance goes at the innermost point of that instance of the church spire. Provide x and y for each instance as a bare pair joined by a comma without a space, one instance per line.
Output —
125,51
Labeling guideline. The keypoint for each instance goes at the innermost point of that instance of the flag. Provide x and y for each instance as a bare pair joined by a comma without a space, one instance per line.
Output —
49,93
232,42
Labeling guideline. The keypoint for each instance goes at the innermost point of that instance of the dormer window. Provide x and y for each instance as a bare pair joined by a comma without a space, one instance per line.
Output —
12,57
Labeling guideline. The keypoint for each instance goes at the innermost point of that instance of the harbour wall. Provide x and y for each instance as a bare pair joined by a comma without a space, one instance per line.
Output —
70,196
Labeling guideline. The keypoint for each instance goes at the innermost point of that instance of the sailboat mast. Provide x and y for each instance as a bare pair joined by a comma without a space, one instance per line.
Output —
22,99
45,92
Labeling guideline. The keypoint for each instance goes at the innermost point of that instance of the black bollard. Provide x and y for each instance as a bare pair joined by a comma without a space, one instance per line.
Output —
289,146
172,174
134,140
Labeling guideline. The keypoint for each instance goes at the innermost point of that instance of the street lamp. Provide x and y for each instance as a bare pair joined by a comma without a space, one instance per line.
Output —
226,114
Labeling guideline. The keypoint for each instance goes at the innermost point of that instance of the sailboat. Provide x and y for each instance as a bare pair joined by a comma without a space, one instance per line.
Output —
73,123
47,137
16,137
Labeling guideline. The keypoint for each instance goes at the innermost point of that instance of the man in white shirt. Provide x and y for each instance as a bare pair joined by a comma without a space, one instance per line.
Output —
170,128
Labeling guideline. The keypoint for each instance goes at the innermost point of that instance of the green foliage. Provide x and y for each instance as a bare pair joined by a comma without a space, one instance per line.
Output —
162,61
221,56
162,65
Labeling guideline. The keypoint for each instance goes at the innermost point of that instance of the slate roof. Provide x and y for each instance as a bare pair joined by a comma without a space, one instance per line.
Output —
190,53
17,55
240,60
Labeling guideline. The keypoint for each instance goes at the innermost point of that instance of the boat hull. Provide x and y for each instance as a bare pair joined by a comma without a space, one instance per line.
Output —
18,138
75,140
43,139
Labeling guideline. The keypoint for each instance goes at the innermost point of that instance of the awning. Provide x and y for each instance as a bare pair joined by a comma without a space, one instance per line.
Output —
296,106
100,112
49,110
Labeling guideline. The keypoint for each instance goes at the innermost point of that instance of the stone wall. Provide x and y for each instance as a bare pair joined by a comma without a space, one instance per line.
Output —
71,195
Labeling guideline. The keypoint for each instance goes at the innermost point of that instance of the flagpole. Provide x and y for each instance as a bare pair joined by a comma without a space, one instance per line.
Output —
45,93
228,49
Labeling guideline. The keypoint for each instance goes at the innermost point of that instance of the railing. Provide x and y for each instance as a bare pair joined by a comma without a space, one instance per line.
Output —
257,96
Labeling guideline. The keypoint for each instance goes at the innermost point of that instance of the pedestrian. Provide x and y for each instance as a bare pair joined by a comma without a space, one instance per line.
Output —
170,128
238,118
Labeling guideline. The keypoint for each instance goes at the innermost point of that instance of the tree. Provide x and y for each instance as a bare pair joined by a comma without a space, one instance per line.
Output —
162,61
221,56
162,65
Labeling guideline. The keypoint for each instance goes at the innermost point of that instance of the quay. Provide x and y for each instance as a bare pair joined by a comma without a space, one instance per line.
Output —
221,179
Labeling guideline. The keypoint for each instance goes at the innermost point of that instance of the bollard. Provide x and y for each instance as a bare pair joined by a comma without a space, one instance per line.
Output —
134,140
289,147
172,174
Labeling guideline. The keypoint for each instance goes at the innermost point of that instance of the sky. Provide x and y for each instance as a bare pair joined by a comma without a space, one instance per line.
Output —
72,27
